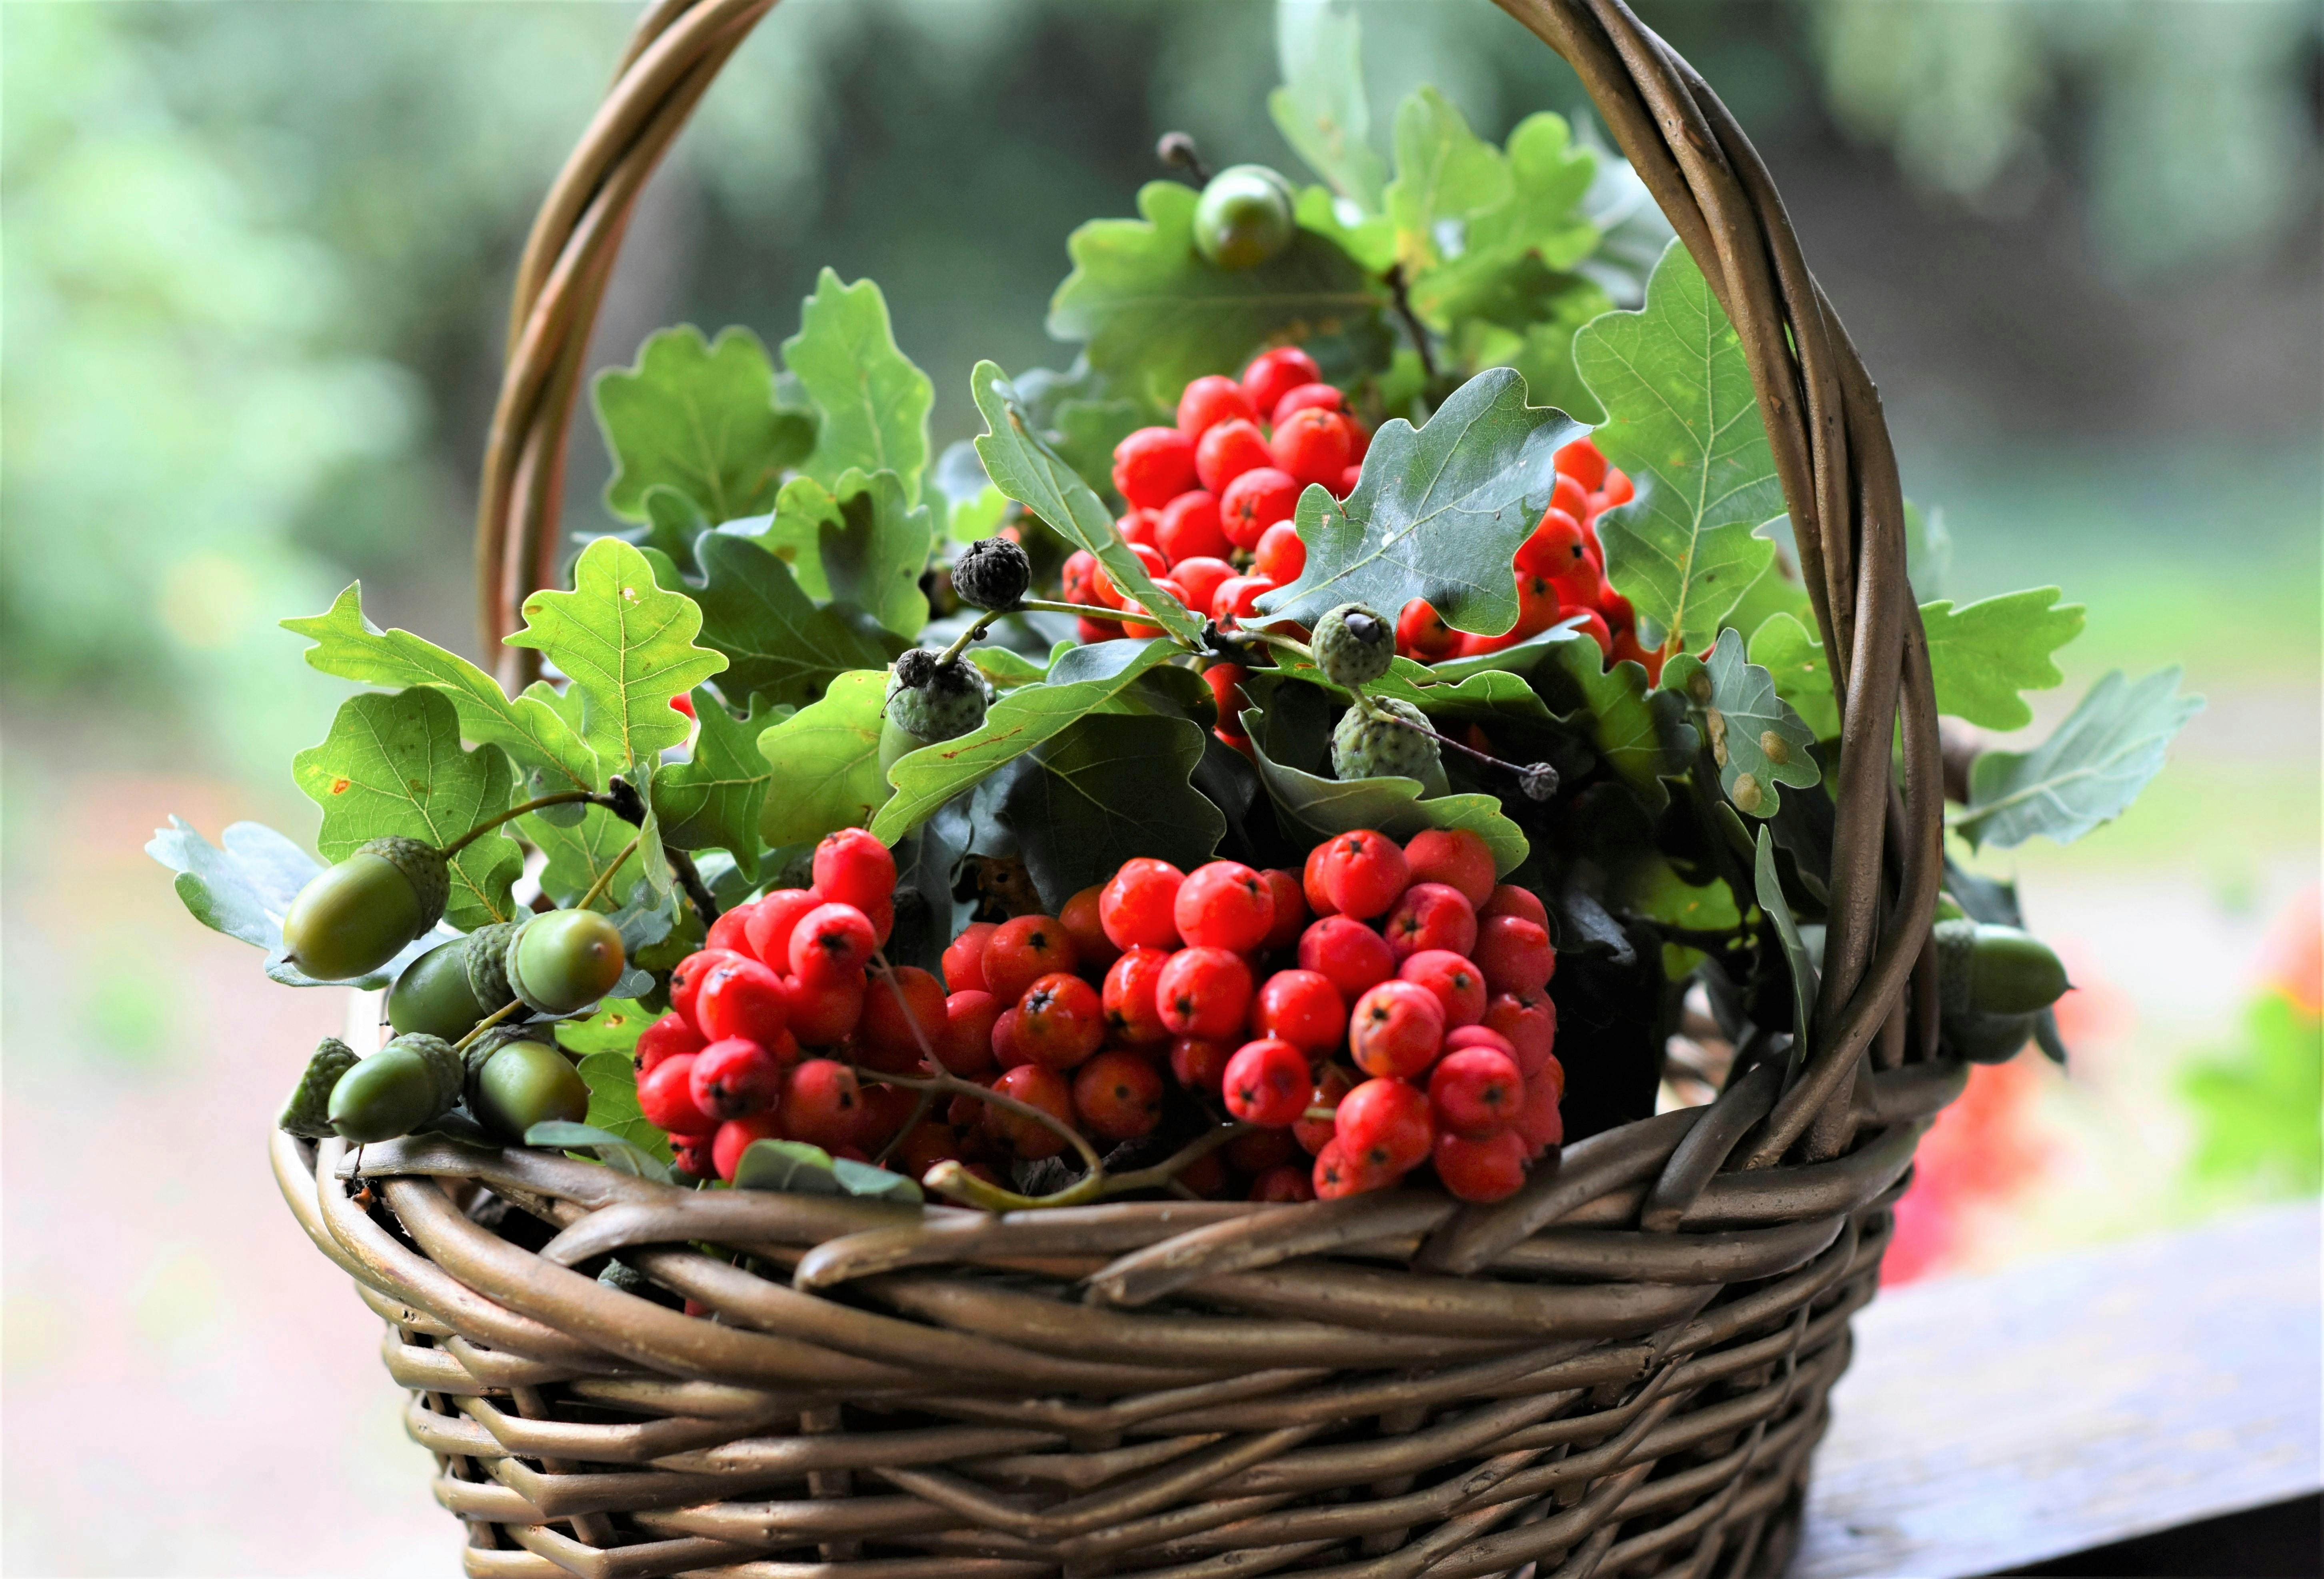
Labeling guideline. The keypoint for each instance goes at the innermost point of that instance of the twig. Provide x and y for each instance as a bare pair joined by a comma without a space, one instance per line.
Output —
487,1022
1167,1170
606,878
562,797
690,878
1537,780
1397,289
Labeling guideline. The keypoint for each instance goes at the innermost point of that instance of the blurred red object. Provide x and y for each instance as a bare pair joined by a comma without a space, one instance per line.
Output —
1982,1151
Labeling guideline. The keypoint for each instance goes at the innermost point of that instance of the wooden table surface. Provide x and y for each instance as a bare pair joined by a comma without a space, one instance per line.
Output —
1996,1421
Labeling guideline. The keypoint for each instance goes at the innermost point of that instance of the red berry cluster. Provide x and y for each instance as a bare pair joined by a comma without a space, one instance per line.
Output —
1210,499
1561,572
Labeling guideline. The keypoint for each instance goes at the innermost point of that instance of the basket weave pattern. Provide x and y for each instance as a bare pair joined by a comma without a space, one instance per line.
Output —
1620,1369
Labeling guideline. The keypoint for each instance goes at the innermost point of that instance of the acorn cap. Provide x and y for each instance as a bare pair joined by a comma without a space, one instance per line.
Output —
307,1113
423,867
480,1051
448,1068
487,957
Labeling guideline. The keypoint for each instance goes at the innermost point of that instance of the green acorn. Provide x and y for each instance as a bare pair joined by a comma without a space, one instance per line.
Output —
1988,1038
927,702
1986,969
564,960
353,916
307,1113
433,993
1353,646
523,1083
404,1085
1365,747
1244,217
485,959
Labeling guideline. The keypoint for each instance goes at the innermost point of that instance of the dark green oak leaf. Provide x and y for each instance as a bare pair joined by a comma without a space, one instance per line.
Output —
1156,313
827,757
627,643
245,888
1982,654
2087,772
713,801
392,765
859,541
1683,421
872,400
1081,681
1437,514
613,1081
1104,789
1642,732
533,733
699,416
1527,319
1321,108
673,522
1023,467
779,644
1769,891
1758,741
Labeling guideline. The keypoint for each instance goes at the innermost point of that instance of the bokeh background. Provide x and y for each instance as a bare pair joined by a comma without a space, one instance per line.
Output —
256,262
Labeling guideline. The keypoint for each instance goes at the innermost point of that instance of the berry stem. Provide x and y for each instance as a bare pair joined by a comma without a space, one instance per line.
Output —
1088,611
1412,325
1528,774
1166,1172
975,632
605,879
1297,648
953,1179
487,1022
562,797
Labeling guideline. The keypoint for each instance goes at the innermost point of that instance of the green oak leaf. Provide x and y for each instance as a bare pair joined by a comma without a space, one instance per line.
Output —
1313,808
2087,772
1082,680
1156,313
1445,175
699,416
873,401
628,645
580,853
1370,240
1651,888
1983,654
1758,741
1078,414
673,522
828,756
1106,789
1023,467
974,520
1791,655
1683,421
1519,248
1642,732
1770,892
613,1081
1479,692
534,734
392,765
1529,322
614,1028
1777,591
713,801
861,541
1321,109
245,889
1437,514
779,644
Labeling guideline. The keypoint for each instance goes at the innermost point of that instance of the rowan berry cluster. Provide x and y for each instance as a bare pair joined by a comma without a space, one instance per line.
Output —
1561,572
1212,500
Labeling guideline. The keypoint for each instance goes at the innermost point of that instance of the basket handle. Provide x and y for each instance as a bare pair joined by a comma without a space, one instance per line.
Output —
1831,444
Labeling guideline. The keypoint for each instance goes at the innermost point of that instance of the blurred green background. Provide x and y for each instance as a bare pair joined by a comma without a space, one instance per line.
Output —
253,273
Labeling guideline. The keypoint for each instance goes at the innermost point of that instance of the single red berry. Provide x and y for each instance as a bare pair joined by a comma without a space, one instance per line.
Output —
686,980
666,1098
1226,680
1153,466
904,1017
1206,1177
1060,1020
1189,529
1118,1095
1348,480
1456,857
1199,1063
1475,1091
1268,1082
1131,1014
1360,438
1490,1167
1508,900
1581,461
1554,549
1228,450
1338,1174
1302,1008
1312,445
1529,1021
731,930
1457,984
1363,872
1538,606
1075,579
886,1110
1422,630
734,1077
929,1144
1102,582
1238,597
963,958
965,1045
670,1037
734,1137
1036,1086
1080,917
1290,909
1200,579
1006,1053
1430,915
831,943
1224,904
1138,906
1322,396
853,868
1396,1028
1617,488
1204,993
1592,624
1281,556
1089,633
1022,951
1311,882
1336,1081
1539,1122
774,919
1515,955
1568,495
697,1156
1383,1124
1211,400
821,1104
1347,954
741,997
683,703
1256,500
1472,645
1621,616
1272,374
822,1015
1478,1035
1286,1184
1257,1151
1137,527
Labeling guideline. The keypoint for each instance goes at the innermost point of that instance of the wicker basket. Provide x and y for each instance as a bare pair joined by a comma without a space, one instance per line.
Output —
1621,1369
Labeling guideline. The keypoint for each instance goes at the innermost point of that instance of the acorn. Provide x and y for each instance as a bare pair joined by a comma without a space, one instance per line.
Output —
355,916
307,1113
407,1082
992,573
1986,969
564,960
